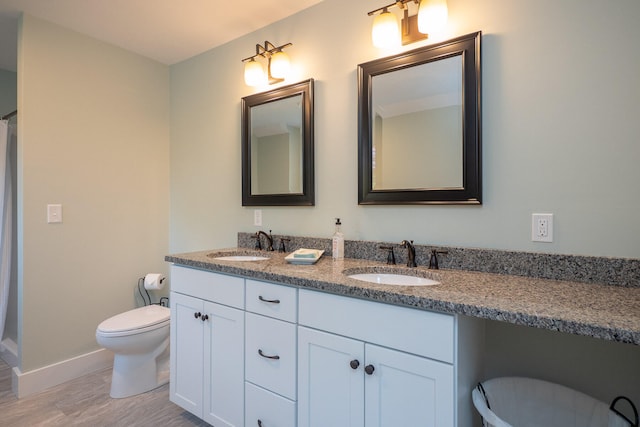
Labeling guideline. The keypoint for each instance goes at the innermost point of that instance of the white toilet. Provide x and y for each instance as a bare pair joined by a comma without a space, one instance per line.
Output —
139,338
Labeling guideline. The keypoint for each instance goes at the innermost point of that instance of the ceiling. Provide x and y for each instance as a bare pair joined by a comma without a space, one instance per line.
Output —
168,31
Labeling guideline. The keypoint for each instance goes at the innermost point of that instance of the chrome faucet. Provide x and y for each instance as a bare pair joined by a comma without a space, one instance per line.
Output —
411,253
268,237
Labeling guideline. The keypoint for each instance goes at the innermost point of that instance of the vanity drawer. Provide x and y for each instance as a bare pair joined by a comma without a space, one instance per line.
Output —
275,368
220,288
268,408
420,332
268,299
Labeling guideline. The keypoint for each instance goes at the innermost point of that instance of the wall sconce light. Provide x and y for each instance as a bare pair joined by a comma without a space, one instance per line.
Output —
431,17
277,66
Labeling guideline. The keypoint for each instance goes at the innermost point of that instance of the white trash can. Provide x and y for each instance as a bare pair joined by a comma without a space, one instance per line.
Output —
527,402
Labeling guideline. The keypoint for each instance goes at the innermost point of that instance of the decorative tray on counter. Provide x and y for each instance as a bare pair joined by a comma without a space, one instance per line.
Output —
304,256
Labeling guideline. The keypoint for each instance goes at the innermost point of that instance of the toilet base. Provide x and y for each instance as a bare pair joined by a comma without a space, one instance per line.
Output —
138,373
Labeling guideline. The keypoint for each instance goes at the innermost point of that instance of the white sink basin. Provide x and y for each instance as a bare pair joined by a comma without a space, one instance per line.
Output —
241,258
394,279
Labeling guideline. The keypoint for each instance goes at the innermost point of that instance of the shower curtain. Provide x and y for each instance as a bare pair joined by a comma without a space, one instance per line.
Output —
5,220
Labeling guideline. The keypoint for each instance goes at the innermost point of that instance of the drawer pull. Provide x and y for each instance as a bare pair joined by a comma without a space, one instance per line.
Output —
197,314
268,357
272,301
369,369
354,364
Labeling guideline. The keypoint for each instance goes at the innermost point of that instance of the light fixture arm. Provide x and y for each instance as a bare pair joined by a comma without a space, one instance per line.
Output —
267,50
401,4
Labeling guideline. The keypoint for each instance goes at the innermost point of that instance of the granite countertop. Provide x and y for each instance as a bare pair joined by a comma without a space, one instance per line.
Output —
595,310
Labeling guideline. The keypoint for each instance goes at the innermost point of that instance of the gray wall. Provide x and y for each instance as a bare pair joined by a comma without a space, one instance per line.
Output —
94,137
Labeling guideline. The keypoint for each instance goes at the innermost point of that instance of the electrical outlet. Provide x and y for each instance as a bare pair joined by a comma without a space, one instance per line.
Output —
257,217
542,227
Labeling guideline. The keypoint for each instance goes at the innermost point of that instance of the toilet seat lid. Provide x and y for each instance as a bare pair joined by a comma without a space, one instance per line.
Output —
137,318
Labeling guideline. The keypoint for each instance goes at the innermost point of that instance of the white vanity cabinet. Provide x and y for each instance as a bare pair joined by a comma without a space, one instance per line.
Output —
252,353
270,354
363,363
207,345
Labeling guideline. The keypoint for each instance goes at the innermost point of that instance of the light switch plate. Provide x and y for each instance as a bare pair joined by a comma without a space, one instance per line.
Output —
257,217
54,214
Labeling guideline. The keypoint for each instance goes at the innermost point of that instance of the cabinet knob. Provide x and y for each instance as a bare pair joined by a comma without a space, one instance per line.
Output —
354,364
259,423
267,356
197,314
205,317
272,301
369,369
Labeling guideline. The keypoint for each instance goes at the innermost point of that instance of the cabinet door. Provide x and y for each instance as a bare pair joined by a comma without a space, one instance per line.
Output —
224,365
330,391
185,387
407,390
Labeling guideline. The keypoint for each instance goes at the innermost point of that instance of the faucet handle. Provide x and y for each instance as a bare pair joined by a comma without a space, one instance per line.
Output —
411,252
391,257
433,259
258,246
270,242
282,247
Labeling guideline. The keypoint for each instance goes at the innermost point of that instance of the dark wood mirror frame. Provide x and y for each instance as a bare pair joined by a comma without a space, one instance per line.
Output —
307,197
471,192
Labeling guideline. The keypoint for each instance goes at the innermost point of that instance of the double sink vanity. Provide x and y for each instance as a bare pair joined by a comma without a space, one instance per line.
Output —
258,341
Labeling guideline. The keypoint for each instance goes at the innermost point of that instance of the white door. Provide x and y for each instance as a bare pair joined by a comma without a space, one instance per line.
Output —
330,380
186,353
407,390
224,365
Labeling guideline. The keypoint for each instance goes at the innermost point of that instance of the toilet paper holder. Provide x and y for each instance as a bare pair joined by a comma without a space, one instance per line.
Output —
154,281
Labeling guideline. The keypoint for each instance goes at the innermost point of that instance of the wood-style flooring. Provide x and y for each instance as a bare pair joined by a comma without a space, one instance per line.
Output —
85,401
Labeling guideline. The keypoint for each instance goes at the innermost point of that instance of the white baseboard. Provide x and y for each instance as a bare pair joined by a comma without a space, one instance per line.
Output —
27,383
9,352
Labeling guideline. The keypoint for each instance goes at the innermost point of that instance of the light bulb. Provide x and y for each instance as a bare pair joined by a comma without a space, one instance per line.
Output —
279,65
386,30
253,73
432,16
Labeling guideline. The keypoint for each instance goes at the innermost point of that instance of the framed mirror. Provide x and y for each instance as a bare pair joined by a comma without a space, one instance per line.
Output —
277,147
419,126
